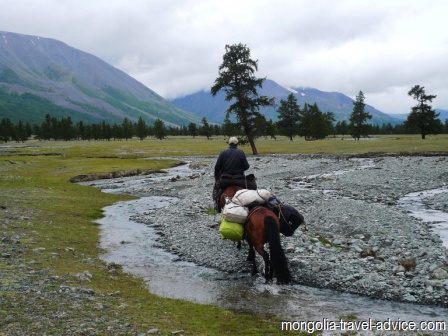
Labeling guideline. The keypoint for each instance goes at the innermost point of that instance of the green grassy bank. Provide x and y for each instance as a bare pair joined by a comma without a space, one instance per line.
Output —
48,235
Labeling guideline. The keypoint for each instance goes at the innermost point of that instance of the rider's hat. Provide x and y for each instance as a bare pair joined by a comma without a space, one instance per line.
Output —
233,141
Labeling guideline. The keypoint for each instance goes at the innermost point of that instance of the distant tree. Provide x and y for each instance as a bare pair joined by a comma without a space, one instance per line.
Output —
95,132
55,131
127,129
6,129
329,120
217,130
358,118
106,131
446,126
341,127
205,129
313,124
20,133
46,129
319,126
141,129
260,126
192,129
65,129
306,120
288,116
271,129
28,130
422,116
229,128
236,78
184,130
36,131
159,129
388,129
81,130
117,132
173,131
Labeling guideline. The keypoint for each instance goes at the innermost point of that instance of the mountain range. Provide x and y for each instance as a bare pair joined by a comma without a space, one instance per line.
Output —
213,108
40,76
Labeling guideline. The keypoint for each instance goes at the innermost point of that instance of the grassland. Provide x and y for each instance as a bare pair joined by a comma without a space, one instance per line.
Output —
48,236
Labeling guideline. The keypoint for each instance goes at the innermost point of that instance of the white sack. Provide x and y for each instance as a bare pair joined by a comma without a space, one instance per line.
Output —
246,197
235,213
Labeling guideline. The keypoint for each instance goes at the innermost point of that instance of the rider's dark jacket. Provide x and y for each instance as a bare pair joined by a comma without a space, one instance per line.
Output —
231,161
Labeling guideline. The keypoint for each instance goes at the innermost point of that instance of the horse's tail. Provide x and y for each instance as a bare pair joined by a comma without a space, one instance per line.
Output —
278,258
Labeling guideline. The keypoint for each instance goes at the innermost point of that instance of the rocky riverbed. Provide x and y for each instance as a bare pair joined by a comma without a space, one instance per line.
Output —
358,239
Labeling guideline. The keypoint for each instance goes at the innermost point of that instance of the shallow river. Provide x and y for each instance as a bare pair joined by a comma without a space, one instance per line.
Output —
134,246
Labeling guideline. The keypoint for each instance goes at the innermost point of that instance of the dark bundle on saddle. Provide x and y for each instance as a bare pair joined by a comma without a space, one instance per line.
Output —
290,218
247,182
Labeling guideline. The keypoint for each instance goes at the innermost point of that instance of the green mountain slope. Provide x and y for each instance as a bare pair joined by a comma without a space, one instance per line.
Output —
40,75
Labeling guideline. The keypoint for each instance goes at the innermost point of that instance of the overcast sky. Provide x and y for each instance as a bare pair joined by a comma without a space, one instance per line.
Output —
175,47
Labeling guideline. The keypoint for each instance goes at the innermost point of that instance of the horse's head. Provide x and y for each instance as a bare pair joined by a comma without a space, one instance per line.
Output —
228,193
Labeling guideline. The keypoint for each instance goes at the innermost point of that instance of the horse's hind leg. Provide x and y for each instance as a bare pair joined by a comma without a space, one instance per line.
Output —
251,257
268,270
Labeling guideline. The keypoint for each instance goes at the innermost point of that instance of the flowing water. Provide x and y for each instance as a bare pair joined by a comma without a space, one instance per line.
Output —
134,246
437,220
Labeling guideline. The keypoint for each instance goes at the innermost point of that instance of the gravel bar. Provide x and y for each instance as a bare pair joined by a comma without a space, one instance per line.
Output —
358,239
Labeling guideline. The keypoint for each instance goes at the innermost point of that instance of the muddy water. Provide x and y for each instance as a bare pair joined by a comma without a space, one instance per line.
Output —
135,247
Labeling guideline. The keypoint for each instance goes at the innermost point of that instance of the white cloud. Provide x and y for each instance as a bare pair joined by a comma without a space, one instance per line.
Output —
175,47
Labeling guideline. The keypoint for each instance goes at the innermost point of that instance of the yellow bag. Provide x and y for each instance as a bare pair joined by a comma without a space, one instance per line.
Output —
231,230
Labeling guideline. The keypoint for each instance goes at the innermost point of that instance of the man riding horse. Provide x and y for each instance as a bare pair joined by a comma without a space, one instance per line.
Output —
229,170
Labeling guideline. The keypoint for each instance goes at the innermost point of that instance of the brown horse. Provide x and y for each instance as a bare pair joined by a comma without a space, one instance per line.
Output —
262,227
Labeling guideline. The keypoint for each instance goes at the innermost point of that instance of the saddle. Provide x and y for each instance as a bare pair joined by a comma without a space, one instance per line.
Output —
247,182
227,180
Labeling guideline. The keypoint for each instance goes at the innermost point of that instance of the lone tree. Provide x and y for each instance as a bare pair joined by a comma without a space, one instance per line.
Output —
288,116
422,116
358,125
236,78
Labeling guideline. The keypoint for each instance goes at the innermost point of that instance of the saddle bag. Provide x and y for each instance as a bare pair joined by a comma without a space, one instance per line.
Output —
290,219
233,212
231,230
246,197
